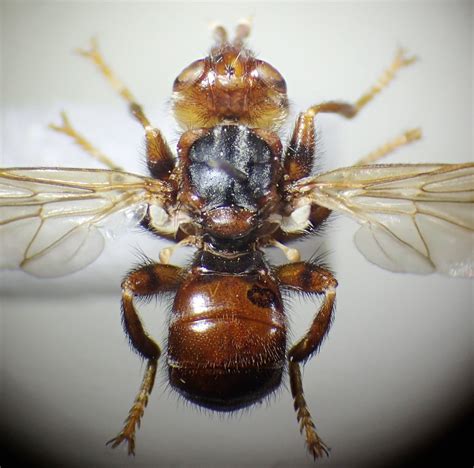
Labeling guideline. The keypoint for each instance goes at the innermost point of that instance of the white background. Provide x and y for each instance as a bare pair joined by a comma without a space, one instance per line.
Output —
397,364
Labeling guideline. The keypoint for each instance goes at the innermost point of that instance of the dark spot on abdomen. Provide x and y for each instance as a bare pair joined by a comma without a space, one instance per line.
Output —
261,297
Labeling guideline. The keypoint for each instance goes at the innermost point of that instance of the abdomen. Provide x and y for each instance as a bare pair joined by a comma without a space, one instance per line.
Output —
227,339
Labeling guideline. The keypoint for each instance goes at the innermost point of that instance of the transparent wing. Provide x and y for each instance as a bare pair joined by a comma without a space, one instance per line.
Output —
53,221
415,218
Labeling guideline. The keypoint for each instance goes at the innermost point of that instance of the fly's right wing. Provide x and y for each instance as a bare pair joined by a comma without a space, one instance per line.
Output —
53,220
415,218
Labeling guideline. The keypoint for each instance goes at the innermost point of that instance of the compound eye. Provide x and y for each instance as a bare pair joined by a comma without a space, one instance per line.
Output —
189,76
271,77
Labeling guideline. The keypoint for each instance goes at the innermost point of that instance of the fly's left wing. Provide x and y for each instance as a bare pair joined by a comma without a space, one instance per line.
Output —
415,218
52,220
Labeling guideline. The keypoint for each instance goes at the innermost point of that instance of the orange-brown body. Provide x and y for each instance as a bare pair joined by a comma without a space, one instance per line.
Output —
227,195
227,337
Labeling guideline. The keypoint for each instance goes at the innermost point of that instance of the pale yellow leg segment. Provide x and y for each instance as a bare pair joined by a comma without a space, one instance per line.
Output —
94,55
349,110
400,61
136,411
80,140
409,136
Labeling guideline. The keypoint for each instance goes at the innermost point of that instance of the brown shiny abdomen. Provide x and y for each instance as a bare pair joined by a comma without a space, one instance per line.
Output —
227,339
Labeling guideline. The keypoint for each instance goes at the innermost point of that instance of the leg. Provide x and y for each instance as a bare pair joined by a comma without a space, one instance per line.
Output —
136,411
349,110
298,163
387,148
145,281
80,140
400,61
299,155
160,158
310,279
